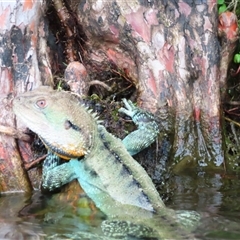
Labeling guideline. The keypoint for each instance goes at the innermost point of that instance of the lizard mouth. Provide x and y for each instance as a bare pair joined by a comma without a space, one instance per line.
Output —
59,151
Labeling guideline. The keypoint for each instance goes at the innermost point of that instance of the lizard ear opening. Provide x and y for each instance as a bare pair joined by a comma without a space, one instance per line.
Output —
41,103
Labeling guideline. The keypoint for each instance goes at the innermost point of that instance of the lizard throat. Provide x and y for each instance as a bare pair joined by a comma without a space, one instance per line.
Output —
62,153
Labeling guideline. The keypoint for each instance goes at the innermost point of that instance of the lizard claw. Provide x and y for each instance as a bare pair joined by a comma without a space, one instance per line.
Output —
130,110
147,125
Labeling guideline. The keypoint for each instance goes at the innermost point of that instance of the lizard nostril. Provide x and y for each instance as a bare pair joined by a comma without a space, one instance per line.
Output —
18,99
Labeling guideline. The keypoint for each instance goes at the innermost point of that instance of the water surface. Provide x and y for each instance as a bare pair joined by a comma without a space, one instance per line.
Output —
36,216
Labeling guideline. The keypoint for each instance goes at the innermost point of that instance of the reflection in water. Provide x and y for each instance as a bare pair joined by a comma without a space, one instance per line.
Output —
11,225
20,230
44,217
215,196
198,192
40,216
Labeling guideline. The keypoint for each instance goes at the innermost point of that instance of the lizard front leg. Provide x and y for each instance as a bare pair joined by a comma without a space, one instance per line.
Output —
147,131
55,175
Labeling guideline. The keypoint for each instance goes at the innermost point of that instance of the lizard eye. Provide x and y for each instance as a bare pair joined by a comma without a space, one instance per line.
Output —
41,103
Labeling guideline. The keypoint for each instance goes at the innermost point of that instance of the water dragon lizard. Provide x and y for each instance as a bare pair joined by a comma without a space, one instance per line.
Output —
102,163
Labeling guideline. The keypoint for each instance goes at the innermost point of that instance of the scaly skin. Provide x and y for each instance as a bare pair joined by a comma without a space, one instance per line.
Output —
147,131
108,174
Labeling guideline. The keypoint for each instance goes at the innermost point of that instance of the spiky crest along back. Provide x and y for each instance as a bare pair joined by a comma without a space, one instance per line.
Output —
60,120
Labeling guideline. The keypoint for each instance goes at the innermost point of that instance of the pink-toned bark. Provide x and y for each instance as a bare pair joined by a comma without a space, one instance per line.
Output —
19,71
228,31
169,50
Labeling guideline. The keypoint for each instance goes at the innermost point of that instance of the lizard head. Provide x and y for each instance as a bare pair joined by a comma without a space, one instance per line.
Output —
62,123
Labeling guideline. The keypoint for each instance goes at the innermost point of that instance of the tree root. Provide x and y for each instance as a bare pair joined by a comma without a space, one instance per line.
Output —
98,82
15,133
232,121
10,131
35,162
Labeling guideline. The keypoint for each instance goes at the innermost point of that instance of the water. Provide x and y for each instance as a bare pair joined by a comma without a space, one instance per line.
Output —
37,216
216,196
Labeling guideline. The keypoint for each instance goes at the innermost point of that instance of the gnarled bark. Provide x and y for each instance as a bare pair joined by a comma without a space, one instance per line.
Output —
169,50
19,71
